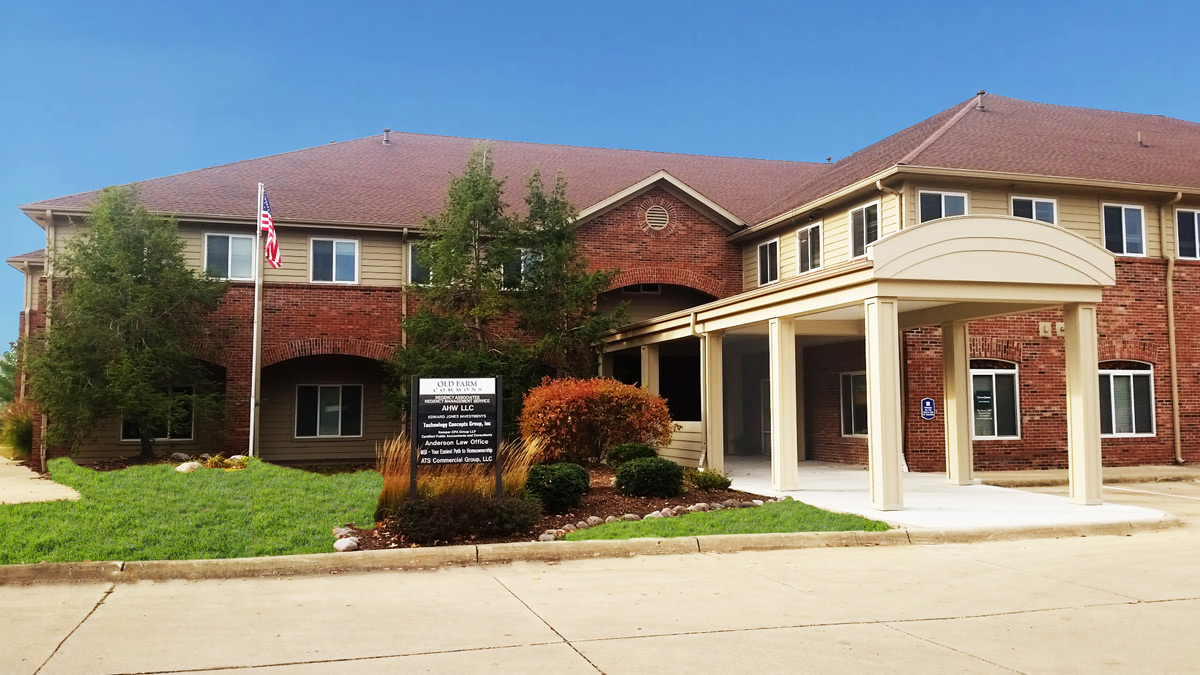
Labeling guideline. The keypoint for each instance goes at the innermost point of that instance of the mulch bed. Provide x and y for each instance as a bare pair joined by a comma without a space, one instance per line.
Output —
602,501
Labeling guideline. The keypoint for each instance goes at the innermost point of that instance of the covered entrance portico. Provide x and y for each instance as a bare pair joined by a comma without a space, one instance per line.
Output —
944,273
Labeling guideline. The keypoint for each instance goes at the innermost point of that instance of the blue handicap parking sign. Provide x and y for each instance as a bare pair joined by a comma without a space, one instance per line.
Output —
927,412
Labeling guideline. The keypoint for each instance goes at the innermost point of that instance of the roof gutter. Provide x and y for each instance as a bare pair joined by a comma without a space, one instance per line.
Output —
863,184
1163,217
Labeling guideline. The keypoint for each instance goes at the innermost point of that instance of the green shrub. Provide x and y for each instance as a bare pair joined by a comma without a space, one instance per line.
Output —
624,452
559,487
17,427
650,477
708,480
451,517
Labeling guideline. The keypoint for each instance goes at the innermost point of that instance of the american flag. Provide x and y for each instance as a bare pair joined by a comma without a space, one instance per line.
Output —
267,223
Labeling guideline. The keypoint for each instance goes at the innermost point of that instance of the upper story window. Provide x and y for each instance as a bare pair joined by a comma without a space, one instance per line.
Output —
1124,229
229,256
864,228
1126,399
994,399
1189,233
177,427
334,261
808,248
641,289
768,262
854,404
516,272
329,410
417,273
936,205
1036,208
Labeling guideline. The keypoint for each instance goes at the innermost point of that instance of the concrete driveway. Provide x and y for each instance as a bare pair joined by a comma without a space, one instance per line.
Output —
1078,605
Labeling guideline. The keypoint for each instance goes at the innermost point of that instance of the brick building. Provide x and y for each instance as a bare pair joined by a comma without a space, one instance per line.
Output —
998,225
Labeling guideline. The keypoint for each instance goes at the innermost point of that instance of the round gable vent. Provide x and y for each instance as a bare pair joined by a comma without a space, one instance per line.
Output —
657,217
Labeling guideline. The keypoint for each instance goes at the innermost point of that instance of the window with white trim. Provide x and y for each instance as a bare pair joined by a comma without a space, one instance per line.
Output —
808,248
934,205
1124,229
329,410
1126,399
229,256
768,262
178,426
1188,229
854,404
334,261
864,228
995,401
1036,208
418,274
516,272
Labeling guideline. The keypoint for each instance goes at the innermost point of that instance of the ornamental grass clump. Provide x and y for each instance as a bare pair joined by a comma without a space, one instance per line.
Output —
579,420
650,477
16,427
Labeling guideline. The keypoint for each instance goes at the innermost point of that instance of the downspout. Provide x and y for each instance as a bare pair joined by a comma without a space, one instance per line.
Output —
404,289
1170,254
899,198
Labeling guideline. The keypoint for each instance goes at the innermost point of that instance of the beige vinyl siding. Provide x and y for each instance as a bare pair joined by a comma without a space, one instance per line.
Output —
750,266
278,428
641,307
889,214
687,444
105,442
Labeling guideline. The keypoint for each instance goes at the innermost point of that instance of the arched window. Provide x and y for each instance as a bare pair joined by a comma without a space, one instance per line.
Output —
995,400
1126,399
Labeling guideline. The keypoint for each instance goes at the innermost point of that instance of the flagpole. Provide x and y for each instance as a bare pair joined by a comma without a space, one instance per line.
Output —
254,368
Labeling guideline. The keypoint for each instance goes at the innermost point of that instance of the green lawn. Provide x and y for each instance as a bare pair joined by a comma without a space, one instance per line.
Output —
785,516
157,513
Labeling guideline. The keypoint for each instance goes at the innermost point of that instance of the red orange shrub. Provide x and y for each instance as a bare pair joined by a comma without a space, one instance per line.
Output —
580,420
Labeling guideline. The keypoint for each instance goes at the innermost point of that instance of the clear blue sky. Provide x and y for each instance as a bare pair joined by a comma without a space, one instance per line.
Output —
93,96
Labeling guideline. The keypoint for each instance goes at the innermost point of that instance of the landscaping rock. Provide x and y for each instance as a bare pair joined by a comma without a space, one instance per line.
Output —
346,544
747,505
667,513
731,503
611,519
205,457
654,514
593,521
340,532
631,517
179,457
237,458
581,525
546,537
560,533
757,502
697,508
549,532
716,506
188,467
568,528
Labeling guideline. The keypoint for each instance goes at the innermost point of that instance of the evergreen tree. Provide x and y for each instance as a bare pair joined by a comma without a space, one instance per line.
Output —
126,315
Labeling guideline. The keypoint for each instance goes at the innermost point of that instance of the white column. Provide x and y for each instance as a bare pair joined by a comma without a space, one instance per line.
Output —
650,368
1083,404
781,340
606,364
713,388
884,426
956,381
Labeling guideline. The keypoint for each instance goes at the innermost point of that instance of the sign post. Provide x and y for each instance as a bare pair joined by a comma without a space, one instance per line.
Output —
456,421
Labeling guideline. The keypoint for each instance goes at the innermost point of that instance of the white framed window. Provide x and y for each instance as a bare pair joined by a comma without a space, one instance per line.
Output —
333,261
995,400
516,272
1124,229
329,410
808,248
641,289
933,205
854,404
768,262
230,256
1036,208
177,427
1188,233
418,274
1126,399
864,228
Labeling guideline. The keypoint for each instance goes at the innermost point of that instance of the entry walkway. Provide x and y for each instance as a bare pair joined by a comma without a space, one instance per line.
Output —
19,485
930,502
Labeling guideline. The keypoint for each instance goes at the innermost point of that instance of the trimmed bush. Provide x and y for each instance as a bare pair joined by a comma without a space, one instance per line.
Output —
650,477
16,427
559,487
625,452
708,480
454,516
580,419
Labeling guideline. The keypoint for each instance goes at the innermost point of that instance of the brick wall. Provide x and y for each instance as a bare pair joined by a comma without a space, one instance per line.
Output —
823,367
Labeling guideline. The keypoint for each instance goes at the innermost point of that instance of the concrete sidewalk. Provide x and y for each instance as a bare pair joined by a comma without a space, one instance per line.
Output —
1112,474
19,485
1077,605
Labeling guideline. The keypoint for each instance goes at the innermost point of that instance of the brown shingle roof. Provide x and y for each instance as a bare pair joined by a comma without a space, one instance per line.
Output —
364,181
35,256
